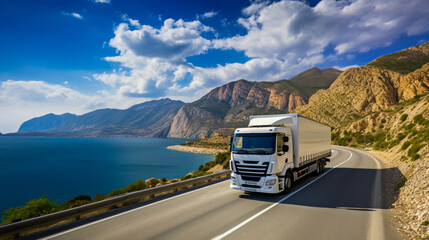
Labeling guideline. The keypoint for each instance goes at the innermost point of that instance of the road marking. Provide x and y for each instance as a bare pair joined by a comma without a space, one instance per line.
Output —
376,229
129,211
278,202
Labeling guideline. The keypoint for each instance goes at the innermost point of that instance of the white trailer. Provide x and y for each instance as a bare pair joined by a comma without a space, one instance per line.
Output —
276,150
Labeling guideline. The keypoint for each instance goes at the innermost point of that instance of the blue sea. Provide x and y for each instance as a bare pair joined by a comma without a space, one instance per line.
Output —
63,168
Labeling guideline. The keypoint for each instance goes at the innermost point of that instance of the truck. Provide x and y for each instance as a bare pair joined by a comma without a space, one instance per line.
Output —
276,150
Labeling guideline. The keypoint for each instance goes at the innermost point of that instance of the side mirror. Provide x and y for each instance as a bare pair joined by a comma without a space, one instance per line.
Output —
285,139
230,143
285,148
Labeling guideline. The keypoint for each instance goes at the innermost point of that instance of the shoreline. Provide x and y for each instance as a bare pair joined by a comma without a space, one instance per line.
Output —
181,148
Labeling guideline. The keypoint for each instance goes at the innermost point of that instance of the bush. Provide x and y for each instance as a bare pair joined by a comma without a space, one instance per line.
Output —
403,117
412,152
425,223
33,208
78,201
418,119
383,120
186,177
405,145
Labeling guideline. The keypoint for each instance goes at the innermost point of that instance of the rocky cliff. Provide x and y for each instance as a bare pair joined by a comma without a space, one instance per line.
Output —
359,91
230,105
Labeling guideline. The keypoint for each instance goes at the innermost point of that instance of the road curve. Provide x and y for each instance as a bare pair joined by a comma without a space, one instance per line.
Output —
343,203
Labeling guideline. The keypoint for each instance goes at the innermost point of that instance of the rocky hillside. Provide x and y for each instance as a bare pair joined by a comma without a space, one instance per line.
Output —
230,105
371,88
399,135
149,119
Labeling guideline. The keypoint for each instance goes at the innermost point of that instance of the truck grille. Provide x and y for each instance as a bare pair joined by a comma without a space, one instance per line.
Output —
251,169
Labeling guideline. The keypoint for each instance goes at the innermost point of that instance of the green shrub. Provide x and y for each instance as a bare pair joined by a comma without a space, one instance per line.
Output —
405,145
403,117
412,152
425,223
381,126
78,201
186,177
383,120
418,119
33,208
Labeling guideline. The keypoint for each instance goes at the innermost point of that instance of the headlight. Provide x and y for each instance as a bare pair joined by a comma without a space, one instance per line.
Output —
270,182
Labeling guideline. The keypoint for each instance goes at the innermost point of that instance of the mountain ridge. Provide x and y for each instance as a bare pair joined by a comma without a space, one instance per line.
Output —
226,106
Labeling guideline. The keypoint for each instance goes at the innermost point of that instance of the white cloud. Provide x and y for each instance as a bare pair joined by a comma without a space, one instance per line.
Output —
102,1
208,15
66,82
282,39
73,14
292,29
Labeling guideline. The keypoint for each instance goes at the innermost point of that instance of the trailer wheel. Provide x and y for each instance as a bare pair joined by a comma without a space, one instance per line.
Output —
322,165
318,169
288,182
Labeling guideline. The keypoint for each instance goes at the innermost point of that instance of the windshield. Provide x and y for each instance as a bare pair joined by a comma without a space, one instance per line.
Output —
254,143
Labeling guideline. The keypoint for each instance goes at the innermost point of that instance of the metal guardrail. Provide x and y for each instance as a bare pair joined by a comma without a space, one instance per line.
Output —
42,221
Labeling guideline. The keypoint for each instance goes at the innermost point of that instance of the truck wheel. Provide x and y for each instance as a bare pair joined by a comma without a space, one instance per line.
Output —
322,166
318,169
287,182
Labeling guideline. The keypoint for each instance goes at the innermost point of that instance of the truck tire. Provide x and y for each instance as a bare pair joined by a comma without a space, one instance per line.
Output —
318,169
288,182
322,166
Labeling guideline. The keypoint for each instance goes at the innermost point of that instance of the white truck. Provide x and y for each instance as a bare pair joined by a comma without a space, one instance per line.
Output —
276,150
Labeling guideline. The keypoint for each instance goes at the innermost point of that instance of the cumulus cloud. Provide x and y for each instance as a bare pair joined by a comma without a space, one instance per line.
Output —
282,39
293,29
154,58
73,14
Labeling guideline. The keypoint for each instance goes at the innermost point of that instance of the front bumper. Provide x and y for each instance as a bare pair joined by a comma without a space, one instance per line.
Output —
238,183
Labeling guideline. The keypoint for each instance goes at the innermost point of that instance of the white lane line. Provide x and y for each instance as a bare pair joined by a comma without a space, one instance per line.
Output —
376,229
279,201
129,211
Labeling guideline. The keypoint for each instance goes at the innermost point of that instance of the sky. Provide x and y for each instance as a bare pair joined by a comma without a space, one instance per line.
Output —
77,56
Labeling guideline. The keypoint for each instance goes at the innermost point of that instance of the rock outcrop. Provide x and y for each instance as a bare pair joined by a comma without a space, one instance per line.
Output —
359,91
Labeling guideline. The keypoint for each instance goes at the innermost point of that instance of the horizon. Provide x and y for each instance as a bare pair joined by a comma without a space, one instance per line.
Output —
85,55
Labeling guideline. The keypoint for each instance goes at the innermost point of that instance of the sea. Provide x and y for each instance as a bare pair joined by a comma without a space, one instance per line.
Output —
63,168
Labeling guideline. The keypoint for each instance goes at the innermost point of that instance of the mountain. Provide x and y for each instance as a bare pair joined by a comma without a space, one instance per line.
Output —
45,122
149,119
230,105
227,106
382,83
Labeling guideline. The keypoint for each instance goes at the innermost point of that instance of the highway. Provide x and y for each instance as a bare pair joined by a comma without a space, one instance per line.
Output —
342,203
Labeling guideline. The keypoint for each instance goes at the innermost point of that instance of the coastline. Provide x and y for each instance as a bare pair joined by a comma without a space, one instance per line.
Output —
195,149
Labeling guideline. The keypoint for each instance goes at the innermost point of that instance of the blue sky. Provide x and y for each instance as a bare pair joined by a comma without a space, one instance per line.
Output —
77,56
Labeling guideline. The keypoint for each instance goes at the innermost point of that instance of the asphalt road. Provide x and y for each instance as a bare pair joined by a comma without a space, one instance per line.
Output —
343,203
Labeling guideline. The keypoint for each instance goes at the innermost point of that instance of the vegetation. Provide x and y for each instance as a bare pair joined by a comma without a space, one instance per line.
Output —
425,223
33,208
403,62
217,142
